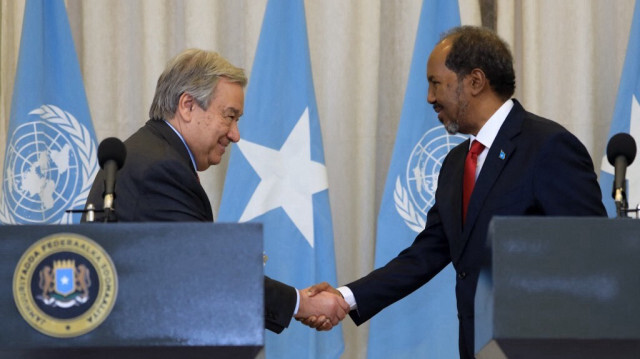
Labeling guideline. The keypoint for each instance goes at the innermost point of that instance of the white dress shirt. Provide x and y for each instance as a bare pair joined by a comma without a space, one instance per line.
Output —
489,131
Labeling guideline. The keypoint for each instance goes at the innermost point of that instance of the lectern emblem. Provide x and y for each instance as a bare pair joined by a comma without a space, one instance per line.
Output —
65,285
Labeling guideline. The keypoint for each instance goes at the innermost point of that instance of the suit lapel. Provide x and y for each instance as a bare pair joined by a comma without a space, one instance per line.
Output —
450,203
499,155
163,130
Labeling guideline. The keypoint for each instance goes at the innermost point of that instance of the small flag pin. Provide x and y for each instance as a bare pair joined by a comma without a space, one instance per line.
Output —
502,156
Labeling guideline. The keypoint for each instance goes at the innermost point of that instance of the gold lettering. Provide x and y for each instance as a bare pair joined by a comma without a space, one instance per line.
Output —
29,261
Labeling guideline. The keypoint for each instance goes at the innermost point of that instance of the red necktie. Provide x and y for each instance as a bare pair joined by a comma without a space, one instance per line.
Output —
469,179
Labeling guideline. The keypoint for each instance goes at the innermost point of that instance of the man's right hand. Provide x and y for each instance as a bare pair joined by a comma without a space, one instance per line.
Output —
322,320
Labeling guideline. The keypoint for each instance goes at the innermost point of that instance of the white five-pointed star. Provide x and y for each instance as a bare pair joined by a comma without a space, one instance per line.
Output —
633,172
64,280
288,178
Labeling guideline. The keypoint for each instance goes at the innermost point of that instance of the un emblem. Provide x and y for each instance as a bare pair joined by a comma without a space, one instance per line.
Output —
50,165
414,196
65,285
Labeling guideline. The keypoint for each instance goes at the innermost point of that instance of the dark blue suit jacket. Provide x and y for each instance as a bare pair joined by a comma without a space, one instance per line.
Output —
545,171
158,183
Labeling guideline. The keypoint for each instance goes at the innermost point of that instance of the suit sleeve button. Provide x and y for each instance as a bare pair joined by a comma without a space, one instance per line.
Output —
462,275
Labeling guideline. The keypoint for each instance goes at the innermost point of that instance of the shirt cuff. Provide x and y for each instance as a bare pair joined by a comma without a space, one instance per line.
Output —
295,311
347,294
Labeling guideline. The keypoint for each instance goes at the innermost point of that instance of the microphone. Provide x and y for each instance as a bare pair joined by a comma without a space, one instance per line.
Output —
621,151
111,156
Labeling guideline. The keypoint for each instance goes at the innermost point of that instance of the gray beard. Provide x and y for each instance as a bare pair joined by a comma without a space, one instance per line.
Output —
452,127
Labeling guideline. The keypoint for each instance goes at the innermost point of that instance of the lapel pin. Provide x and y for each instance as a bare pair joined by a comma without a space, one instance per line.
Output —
502,156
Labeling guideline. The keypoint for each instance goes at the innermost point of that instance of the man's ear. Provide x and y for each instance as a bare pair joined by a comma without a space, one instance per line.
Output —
185,106
477,81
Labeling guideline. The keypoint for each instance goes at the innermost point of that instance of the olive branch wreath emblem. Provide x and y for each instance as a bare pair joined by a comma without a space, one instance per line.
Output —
85,149
439,143
405,208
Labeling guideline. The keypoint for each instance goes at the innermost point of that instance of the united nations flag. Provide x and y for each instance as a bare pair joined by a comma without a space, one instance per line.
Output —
50,157
421,145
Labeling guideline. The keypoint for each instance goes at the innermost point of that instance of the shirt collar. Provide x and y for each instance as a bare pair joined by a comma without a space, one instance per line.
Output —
489,131
193,161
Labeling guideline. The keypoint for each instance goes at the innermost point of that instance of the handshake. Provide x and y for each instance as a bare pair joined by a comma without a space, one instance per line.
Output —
321,307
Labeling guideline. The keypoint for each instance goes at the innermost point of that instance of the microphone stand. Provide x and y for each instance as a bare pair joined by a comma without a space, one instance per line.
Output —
91,212
626,211
621,202
622,207
107,213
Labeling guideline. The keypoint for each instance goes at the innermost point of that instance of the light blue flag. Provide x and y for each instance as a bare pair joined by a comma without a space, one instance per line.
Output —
50,159
626,118
424,324
277,175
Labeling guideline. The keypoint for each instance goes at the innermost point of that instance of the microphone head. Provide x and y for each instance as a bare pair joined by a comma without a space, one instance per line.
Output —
621,144
111,149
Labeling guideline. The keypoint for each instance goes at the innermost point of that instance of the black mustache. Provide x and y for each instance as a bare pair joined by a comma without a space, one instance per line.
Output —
437,107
